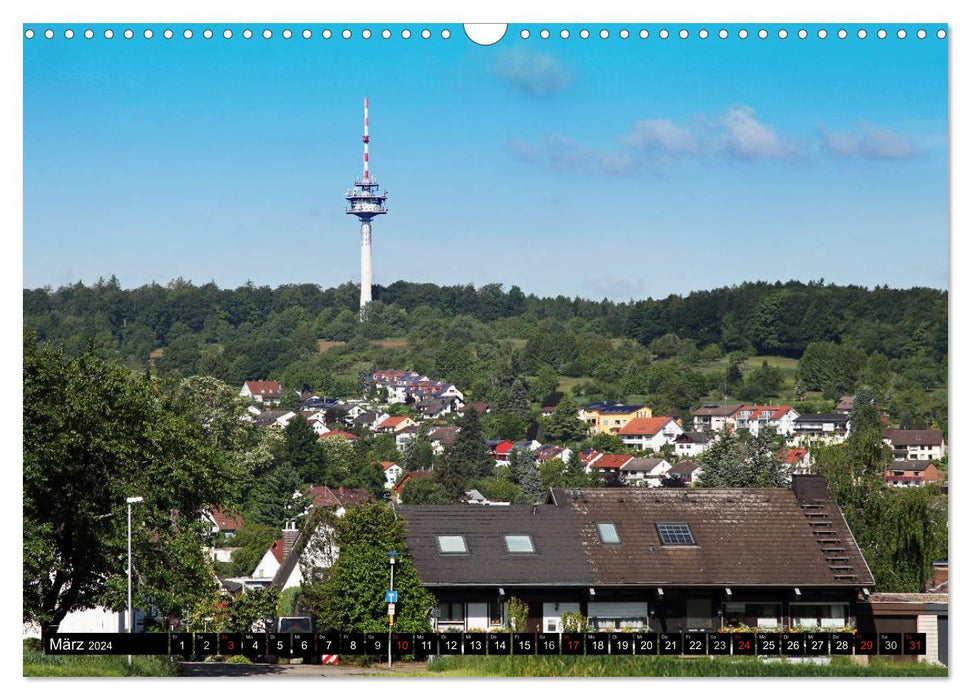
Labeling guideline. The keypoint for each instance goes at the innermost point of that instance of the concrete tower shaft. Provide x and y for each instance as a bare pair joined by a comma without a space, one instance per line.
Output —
365,200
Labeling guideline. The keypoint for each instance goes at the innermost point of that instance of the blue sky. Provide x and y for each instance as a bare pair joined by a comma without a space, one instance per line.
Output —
589,167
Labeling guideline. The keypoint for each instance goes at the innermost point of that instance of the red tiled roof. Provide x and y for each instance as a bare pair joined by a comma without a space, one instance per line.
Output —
339,433
795,455
645,426
277,549
392,421
612,461
225,521
777,411
326,497
387,465
504,447
263,388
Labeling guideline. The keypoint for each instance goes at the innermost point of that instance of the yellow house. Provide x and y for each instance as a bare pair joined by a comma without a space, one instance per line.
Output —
609,418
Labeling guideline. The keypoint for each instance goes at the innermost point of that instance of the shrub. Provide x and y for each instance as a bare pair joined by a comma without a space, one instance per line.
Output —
238,659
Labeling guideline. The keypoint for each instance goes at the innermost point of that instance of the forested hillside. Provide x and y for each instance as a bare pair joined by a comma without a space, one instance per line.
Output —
804,343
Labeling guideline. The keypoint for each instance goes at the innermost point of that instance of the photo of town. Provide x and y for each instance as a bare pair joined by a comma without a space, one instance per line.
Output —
389,350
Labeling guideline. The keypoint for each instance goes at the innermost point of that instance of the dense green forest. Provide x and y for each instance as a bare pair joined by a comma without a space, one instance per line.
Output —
805,344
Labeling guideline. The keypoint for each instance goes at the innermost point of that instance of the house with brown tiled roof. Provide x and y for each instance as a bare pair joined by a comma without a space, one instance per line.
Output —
664,560
410,476
693,443
262,391
715,416
912,472
644,471
915,444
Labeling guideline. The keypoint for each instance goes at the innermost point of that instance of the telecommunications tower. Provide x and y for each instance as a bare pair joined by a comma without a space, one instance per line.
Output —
365,201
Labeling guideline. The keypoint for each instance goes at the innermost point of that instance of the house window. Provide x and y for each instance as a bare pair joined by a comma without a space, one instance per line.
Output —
761,615
452,544
675,534
495,613
608,533
824,616
449,613
520,544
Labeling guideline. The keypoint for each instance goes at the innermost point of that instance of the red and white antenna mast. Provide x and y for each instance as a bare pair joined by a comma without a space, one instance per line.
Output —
365,140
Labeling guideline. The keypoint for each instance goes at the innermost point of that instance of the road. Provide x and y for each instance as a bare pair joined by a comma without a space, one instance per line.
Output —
220,670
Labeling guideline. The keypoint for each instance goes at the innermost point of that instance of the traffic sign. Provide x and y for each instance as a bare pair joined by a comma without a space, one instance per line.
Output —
391,596
390,608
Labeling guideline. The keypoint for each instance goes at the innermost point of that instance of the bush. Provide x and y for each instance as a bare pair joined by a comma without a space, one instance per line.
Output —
33,644
238,659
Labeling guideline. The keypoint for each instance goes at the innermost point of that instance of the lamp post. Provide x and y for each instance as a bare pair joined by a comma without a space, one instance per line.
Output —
392,557
131,613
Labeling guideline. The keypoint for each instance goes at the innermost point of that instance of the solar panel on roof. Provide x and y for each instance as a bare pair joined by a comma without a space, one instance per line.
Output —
675,533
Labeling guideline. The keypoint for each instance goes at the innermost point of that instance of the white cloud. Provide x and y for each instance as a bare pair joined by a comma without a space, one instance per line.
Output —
744,136
534,73
661,135
869,142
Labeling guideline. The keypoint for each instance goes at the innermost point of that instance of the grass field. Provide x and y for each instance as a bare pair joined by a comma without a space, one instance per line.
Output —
37,664
599,666
788,365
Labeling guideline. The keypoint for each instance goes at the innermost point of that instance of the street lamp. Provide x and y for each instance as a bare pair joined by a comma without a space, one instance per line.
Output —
131,613
392,557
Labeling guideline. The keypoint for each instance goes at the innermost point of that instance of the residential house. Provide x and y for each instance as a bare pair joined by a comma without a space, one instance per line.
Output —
650,433
434,406
369,420
317,419
588,458
222,521
547,411
441,437
829,427
609,418
342,434
919,472
922,613
405,436
609,464
392,472
644,471
798,460
502,451
274,419
715,416
393,424
754,418
262,391
845,404
915,444
666,560
410,476
687,471
693,443
547,452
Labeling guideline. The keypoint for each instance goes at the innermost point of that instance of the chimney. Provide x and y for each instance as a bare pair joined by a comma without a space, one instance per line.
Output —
940,575
809,487
290,534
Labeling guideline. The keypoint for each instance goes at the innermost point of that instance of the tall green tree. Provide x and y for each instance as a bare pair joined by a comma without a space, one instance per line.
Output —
93,435
742,460
351,594
302,451
565,424
469,448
